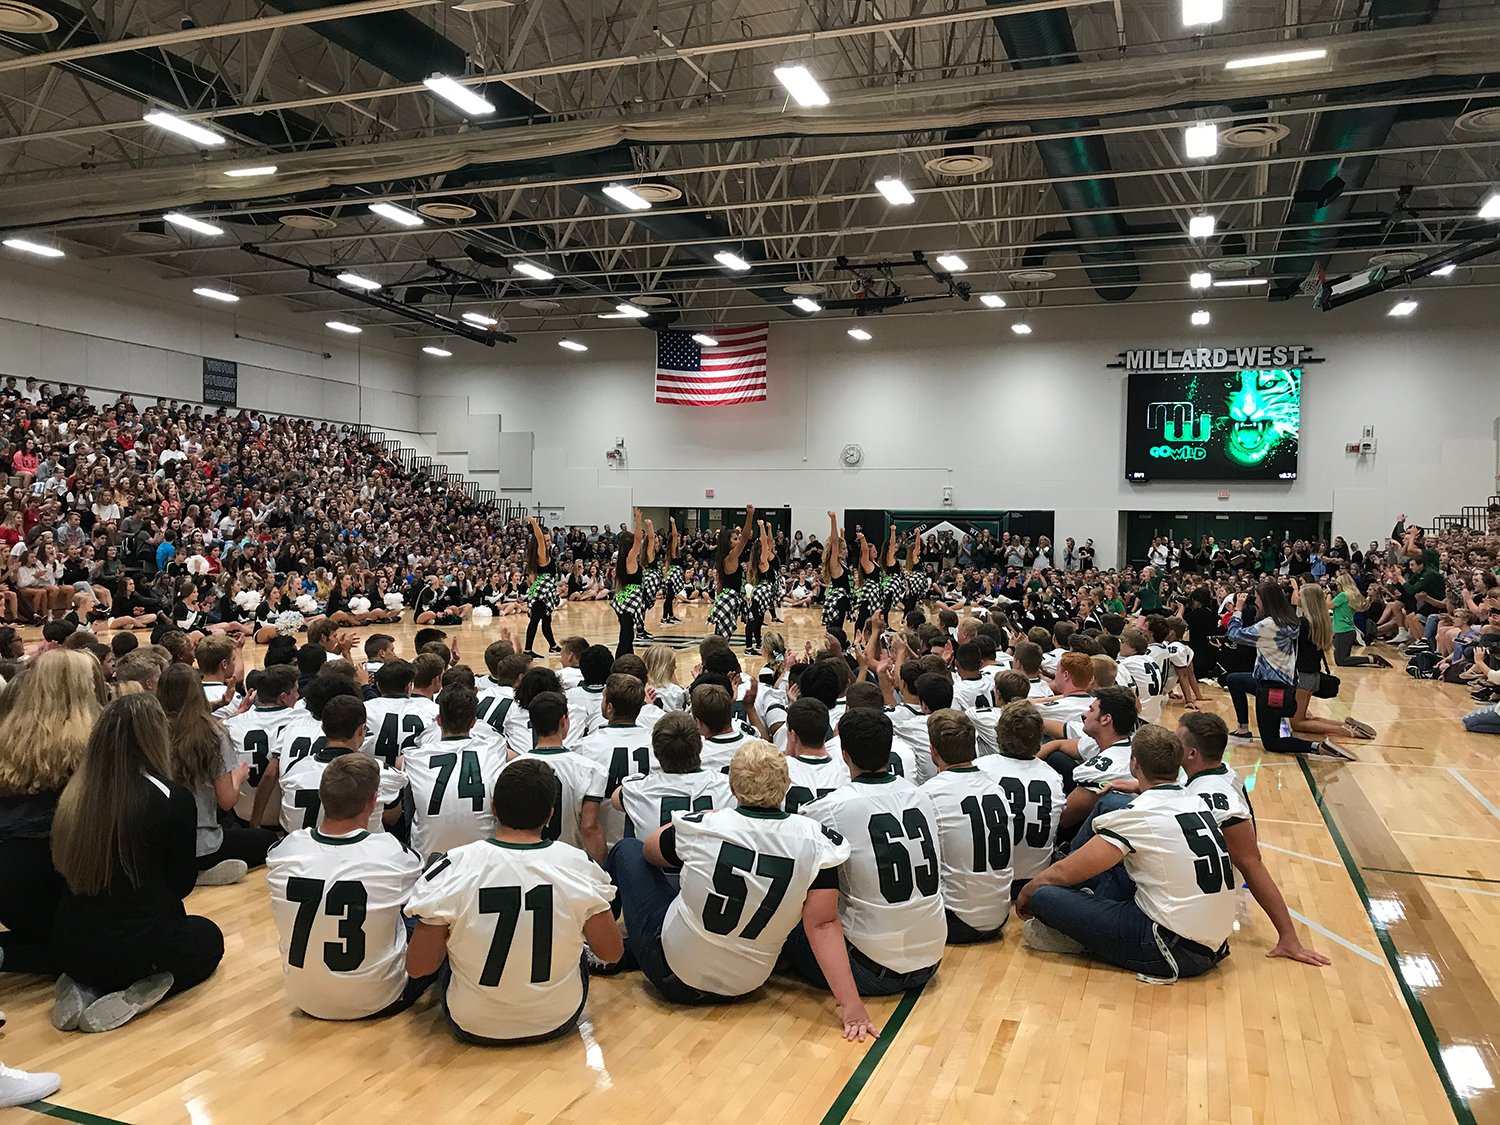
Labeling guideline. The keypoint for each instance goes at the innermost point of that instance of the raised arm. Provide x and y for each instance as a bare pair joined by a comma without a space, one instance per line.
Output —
732,560
633,556
673,539
914,552
542,557
650,543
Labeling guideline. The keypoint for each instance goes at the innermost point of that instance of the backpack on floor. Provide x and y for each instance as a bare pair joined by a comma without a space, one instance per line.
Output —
1422,666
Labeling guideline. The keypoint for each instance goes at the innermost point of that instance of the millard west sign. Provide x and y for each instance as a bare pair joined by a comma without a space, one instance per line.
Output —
1240,357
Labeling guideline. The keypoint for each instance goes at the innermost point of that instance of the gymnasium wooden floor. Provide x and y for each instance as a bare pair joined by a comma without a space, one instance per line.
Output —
1392,866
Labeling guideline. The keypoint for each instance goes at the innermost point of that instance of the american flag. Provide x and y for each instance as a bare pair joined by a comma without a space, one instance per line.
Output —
733,370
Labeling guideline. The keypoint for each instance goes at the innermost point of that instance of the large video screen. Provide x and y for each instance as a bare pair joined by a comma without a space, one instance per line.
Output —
1223,425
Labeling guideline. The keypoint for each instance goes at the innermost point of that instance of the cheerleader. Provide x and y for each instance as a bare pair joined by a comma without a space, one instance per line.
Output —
729,600
837,600
869,595
650,583
541,594
762,563
672,581
629,598
914,582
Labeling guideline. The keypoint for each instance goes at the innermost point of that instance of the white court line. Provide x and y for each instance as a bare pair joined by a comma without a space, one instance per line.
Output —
1333,937
1475,793
1467,890
1300,855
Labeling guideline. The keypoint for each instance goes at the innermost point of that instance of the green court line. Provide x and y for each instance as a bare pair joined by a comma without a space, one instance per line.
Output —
64,1113
1459,1104
856,1084
1430,875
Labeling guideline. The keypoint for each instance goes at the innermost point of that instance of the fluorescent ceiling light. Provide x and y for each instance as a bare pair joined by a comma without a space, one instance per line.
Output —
573,345
1200,280
1201,141
1273,60
358,282
1403,308
1021,328
1490,209
187,222
807,304
458,94
894,191
216,294
1444,271
442,353
397,214
192,131
859,333
532,271
481,5
626,197
731,261
952,263
1241,282
1200,317
800,83
258,170
625,308
1196,13
1201,226
615,316
26,246
346,328
480,319
704,341
992,300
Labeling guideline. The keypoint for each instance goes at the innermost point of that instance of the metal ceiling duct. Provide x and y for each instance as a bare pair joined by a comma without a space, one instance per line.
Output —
1037,39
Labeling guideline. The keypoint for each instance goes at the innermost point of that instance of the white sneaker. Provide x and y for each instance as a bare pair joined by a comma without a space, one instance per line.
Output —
1037,935
18,1087
70,1000
1402,637
118,1008
223,873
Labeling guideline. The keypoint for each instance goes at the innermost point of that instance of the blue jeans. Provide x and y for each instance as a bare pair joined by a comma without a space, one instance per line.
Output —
870,979
1111,927
1486,720
1108,802
1430,628
646,895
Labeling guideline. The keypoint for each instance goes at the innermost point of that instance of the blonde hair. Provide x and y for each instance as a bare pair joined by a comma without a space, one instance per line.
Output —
775,642
1105,668
1319,621
46,715
661,665
1357,601
758,775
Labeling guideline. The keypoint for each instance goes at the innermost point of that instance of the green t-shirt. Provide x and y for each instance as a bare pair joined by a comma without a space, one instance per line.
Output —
1151,595
1343,616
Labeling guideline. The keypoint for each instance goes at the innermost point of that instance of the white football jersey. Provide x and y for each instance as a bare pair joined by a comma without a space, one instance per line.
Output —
302,735
623,751
452,785
672,697
976,699
1176,856
1100,767
515,915
1179,655
1065,708
651,799
1222,790
393,724
516,729
974,840
718,751
337,903
1146,678
890,900
909,725
254,733
580,780
766,861
300,806
214,691
1040,689
813,779
1035,792
1050,660
585,711
569,677
495,702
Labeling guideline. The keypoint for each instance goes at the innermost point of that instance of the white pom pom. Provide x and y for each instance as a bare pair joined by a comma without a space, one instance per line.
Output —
481,614
248,599
288,622
395,601
197,564
359,605
307,603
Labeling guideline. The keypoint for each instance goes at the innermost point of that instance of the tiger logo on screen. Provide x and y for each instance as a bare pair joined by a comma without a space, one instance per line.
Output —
1263,413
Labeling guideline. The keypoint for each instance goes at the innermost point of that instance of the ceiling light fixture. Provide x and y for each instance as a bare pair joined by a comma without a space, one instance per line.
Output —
346,328
216,294
703,340
1274,60
859,334
1200,317
187,222
952,263
1403,308
1197,13
457,94
1444,271
731,261
1021,328
895,191
800,83
532,271
358,282
625,196
992,301
625,308
807,304
1241,282
441,353
1201,226
480,319
174,124
26,246
398,214
1200,279
1201,141
258,170
1490,208
573,345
